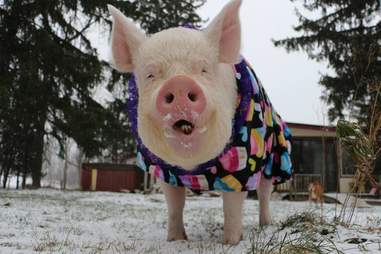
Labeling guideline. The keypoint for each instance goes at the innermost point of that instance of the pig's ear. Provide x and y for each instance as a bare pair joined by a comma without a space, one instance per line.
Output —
225,32
125,40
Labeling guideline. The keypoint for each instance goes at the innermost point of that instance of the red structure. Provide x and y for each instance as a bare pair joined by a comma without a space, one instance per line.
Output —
111,177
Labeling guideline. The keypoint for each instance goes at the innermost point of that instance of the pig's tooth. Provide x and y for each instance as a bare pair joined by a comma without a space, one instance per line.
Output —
187,129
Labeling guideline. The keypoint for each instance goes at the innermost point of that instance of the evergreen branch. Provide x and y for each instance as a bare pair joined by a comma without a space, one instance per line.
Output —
80,32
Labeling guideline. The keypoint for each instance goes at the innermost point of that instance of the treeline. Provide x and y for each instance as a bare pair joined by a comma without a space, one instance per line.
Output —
346,35
49,70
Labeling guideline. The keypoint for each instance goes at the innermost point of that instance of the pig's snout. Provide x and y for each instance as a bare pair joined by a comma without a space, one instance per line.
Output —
180,94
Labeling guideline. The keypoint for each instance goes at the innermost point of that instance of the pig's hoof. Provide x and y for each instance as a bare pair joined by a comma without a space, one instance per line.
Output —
177,237
232,239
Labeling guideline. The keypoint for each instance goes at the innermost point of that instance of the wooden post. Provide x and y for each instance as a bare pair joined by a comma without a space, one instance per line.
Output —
324,156
339,157
65,172
145,187
94,174
79,161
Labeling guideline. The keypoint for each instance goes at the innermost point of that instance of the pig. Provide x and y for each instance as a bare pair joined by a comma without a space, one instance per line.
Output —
185,106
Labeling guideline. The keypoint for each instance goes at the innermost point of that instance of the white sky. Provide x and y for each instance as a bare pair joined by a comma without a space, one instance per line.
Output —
290,79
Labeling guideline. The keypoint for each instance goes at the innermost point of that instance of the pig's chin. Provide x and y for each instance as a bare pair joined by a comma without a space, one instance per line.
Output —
185,142
184,137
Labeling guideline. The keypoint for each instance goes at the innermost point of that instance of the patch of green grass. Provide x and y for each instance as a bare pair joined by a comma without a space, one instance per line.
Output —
117,247
308,221
291,244
302,233
50,243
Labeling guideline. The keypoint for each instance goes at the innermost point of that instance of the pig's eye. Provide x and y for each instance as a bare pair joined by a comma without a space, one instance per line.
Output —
204,70
150,76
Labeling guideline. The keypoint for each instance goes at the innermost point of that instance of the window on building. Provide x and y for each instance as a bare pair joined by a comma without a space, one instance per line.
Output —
310,157
307,156
377,167
331,172
348,163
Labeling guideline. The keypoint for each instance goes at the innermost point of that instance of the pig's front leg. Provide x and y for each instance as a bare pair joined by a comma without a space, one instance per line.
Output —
233,203
175,197
264,194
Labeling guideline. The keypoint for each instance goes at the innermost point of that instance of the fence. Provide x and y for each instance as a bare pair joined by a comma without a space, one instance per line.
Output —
299,183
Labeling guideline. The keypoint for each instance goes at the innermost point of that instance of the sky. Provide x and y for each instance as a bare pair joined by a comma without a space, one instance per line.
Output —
290,79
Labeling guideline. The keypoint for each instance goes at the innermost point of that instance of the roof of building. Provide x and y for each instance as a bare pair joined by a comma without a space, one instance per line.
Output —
312,127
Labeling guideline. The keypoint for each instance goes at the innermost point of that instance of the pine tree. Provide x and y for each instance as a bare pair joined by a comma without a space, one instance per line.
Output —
346,34
49,68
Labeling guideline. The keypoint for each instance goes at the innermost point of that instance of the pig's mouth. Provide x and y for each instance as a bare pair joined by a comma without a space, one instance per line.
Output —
183,126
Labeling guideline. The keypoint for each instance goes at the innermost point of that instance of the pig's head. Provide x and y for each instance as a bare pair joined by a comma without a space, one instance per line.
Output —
186,84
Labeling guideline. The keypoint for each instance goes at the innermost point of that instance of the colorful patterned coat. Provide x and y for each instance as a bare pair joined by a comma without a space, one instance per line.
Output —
260,144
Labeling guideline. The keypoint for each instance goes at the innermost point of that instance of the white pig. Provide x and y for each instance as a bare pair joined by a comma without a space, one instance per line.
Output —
201,117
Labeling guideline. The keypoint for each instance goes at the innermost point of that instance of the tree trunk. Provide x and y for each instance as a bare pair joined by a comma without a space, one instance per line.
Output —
23,184
37,159
7,168
17,179
38,152
1,171
79,161
25,164
37,165
5,177
67,155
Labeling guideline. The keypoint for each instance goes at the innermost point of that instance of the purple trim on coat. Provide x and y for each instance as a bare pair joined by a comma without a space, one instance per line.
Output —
244,89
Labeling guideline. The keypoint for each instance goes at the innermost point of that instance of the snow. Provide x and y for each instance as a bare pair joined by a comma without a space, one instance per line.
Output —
203,129
52,221
167,117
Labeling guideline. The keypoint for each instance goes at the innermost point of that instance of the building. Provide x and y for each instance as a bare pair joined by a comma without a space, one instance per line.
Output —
111,177
318,156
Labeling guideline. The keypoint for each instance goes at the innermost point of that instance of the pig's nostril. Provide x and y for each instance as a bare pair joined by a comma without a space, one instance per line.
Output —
169,98
192,97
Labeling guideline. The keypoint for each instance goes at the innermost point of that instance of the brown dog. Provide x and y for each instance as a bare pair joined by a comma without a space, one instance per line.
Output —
316,192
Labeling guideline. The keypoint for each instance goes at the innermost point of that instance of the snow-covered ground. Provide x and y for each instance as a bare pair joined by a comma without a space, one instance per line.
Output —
51,221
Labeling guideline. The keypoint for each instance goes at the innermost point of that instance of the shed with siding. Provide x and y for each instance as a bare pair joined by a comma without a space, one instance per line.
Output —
111,177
